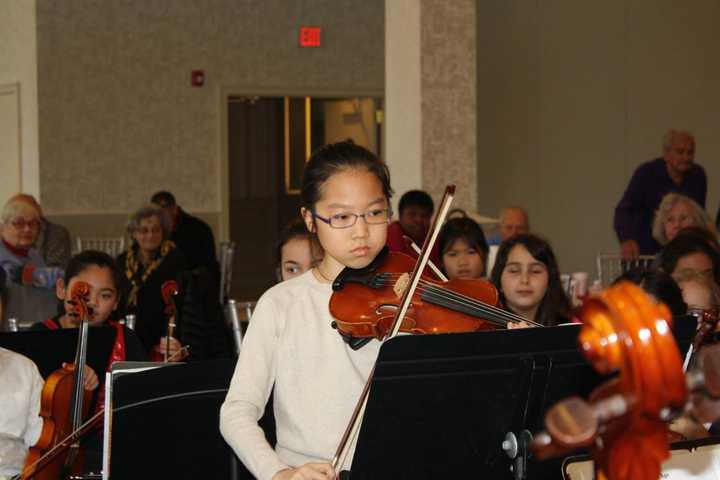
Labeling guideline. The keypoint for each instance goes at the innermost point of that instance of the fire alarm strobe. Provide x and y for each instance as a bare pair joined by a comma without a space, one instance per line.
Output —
197,78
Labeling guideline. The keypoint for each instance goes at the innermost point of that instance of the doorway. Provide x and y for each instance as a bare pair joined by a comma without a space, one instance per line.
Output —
269,139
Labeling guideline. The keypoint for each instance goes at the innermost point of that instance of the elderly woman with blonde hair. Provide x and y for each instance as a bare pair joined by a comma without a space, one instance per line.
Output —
23,263
150,261
30,289
676,212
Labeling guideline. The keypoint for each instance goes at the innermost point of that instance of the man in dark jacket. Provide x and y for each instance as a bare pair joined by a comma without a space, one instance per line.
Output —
190,234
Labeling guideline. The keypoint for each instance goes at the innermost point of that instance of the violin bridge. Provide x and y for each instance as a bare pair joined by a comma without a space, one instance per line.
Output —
402,283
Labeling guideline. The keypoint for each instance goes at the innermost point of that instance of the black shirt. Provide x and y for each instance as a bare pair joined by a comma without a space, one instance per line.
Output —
195,239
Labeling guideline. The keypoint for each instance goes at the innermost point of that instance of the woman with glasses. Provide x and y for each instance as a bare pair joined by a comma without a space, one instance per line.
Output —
150,261
21,261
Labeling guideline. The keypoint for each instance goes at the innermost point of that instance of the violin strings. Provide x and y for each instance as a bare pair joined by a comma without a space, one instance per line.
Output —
462,297
464,300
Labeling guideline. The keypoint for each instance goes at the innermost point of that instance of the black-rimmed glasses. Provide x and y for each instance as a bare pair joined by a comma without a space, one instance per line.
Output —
376,216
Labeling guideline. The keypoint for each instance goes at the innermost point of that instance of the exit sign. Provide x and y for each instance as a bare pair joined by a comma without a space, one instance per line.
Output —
310,36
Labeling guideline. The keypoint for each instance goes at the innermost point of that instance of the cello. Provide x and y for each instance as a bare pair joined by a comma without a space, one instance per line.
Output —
64,405
625,421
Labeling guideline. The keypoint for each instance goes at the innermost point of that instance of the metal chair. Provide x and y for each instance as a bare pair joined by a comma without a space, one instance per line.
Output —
234,313
226,253
612,265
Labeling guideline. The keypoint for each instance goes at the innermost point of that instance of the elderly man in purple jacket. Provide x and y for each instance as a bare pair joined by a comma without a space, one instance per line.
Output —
675,171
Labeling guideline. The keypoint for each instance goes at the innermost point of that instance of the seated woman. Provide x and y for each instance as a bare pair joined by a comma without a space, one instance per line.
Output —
463,249
690,252
676,212
298,251
150,261
698,291
527,276
30,281
659,285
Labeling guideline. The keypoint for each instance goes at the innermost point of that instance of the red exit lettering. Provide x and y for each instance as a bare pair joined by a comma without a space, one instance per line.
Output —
310,36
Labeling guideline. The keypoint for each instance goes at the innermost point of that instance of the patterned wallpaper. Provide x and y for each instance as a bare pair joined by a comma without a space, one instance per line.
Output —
118,118
449,99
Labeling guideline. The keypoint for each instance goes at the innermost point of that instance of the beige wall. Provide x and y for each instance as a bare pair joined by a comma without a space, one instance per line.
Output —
354,118
18,66
572,96
118,118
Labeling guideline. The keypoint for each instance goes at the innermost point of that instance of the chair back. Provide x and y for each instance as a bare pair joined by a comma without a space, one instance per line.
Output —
612,265
226,253
113,246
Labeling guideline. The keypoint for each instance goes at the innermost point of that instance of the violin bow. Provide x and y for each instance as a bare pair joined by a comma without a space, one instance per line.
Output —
424,257
432,266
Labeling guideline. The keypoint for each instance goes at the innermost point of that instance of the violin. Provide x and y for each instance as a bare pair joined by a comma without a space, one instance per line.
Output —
64,404
625,421
707,324
169,291
364,301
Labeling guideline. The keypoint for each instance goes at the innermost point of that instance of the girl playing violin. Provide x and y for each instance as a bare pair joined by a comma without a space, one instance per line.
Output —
527,277
463,249
290,344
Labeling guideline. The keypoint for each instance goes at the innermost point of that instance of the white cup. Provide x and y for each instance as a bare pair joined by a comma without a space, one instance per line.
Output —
579,284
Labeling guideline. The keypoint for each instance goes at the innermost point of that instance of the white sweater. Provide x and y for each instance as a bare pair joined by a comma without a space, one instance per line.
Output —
20,424
317,377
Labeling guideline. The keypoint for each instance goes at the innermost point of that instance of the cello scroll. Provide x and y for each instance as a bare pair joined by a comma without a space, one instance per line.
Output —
625,421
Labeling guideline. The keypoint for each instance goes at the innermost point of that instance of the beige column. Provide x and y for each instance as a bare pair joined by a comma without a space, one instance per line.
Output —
403,129
430,91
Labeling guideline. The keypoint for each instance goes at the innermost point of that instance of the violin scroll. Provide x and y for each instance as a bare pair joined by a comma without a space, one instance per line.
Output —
169,290
79,298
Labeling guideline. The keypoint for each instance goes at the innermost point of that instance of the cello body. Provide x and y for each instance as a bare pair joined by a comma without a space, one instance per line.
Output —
55,409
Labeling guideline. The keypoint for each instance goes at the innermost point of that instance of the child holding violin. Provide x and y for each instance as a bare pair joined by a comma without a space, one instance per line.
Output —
290,344
99,270
527,277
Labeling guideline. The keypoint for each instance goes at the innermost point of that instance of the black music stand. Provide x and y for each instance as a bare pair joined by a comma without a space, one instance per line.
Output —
165,423
440,406
50,348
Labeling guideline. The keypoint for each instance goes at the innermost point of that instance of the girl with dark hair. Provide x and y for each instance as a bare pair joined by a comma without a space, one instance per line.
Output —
527,277
659,285
291,348
689,251
99,270
463,249
298,251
